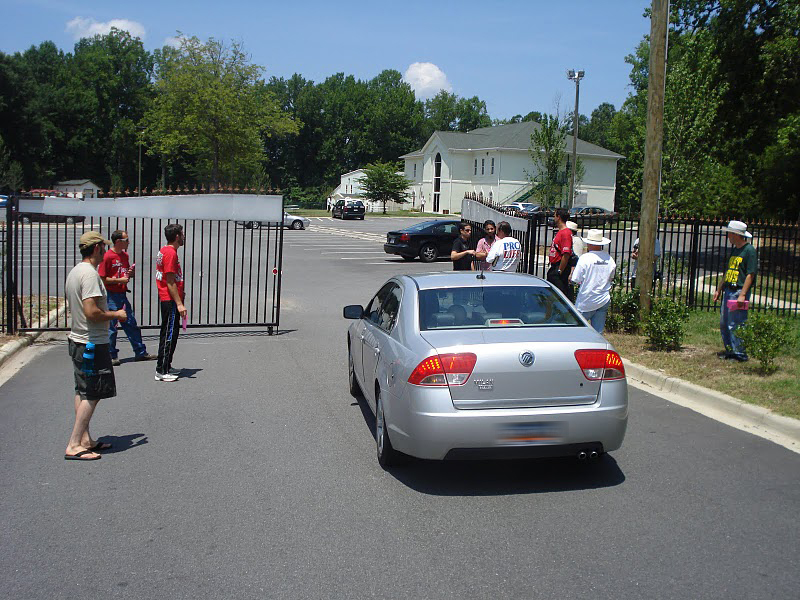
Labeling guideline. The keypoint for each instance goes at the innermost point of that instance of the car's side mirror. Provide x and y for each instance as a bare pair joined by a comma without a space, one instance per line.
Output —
353,311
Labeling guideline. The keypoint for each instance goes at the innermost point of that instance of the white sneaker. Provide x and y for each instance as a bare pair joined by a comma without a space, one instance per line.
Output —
166,377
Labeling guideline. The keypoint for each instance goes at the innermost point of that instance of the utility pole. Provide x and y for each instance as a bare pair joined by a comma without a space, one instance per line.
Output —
651,184
576,76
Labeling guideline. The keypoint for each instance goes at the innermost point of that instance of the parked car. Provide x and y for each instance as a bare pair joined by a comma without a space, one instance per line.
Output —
348,209
36,217
529,210
33,217
457,367
589,216
524,209
429,240
289,221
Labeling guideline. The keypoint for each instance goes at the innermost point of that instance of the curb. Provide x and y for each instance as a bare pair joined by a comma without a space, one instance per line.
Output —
9,349
693,393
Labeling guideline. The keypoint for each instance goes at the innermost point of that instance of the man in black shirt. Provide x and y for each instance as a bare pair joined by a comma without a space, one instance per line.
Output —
461,255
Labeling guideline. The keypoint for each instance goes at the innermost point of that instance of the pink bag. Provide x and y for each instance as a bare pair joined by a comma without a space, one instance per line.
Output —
734,305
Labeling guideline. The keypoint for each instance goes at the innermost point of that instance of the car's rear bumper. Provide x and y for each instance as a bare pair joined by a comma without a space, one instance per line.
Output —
399,249
426,425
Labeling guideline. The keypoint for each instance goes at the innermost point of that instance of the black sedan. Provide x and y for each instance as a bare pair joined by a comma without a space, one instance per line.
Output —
589,216
429,240
349,209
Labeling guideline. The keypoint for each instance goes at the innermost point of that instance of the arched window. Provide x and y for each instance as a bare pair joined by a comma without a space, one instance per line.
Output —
437,181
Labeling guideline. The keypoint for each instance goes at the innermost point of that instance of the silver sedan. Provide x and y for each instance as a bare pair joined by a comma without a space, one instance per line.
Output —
464,365
289,221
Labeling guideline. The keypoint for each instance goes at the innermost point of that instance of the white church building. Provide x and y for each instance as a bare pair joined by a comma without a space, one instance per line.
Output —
495,162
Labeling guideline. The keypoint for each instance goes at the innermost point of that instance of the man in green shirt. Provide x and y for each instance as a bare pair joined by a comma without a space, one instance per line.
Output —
734,289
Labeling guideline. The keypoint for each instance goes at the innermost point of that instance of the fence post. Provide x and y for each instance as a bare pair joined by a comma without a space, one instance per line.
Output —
527,255
693,257
10,281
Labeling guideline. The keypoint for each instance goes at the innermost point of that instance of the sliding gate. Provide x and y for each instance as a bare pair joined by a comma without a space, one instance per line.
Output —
232,269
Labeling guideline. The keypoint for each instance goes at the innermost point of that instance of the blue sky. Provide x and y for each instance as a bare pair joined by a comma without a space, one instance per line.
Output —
512,54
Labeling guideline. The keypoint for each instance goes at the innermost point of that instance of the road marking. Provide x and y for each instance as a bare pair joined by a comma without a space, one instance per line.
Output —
354,257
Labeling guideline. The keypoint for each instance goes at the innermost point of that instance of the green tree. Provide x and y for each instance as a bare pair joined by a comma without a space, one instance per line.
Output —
547,151
110,87
213,107
11,179
472,114
598,128
382,183
441,112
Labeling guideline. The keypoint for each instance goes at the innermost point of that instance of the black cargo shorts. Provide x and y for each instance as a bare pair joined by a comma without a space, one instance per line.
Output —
99,385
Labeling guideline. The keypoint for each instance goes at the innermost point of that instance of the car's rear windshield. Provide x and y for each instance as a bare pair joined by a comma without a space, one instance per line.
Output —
356,203
496,306
419,226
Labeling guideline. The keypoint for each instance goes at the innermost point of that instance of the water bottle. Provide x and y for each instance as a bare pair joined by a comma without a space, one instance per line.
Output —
88,360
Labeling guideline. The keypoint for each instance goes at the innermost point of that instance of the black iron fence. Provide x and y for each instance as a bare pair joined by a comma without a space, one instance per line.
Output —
232,273
693,256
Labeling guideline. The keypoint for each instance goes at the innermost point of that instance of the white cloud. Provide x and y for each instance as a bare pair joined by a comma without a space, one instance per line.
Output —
173,40
81,27
426,79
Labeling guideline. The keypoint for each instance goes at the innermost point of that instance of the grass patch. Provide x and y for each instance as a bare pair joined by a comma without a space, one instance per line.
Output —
697,362
33,308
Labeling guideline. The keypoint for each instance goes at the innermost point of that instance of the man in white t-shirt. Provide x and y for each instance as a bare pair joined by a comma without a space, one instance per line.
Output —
595,274
88,344
506,250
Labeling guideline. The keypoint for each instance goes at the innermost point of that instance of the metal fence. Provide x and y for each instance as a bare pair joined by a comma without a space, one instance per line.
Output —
232,274
694,255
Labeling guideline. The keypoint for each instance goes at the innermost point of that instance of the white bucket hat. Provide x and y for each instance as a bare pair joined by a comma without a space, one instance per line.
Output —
596,238
737,227
572,225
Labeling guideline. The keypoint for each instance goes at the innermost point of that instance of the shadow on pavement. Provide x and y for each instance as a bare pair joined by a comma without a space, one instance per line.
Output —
501,477
121,443
196,335
187,373
505,477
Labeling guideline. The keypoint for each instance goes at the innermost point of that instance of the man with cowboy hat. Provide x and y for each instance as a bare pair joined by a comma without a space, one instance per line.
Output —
734,289
594,273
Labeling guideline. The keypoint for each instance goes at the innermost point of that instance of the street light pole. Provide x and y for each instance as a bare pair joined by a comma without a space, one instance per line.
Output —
576,76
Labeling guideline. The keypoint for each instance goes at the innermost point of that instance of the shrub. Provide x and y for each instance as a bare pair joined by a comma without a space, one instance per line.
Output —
665,325
623,314
765,337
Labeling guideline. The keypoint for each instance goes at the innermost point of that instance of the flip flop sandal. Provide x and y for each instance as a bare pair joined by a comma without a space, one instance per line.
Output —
100,446
80,456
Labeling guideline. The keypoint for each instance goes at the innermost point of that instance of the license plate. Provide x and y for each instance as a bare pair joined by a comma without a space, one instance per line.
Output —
392,240
530,434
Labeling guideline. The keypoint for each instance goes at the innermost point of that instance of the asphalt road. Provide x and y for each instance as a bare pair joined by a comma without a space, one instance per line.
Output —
255,476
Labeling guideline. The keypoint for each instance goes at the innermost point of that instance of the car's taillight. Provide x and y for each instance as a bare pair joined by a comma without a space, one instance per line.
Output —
600,364
444,369
405,237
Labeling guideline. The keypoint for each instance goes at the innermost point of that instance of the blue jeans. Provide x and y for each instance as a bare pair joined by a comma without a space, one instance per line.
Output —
597,317
729,320
117,301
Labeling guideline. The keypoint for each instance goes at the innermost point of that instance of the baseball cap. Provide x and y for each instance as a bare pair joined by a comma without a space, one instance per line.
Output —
90,238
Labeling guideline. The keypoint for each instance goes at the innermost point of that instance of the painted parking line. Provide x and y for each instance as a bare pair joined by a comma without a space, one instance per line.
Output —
353,257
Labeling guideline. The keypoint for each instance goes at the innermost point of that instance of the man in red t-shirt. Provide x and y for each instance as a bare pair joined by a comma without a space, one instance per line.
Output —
116,271
169,281
560,253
